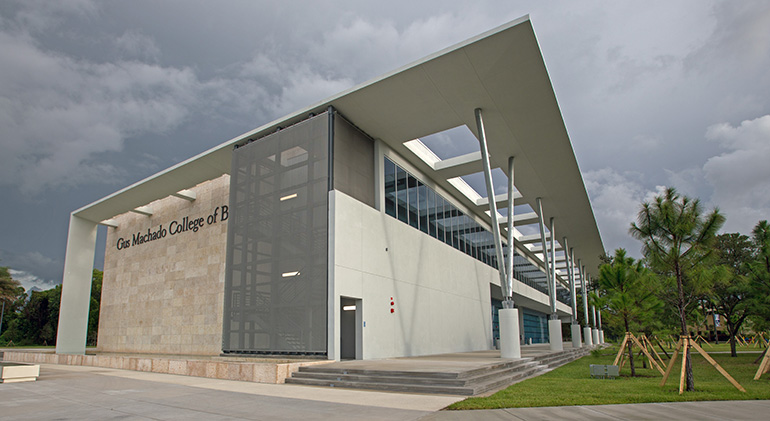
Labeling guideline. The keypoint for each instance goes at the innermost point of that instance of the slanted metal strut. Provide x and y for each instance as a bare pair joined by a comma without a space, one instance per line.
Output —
492,205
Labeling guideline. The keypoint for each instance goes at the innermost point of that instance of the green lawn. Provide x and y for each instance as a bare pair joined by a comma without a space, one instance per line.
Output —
28,346
721,347
571,384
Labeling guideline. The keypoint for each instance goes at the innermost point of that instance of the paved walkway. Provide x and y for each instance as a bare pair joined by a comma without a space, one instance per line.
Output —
701,411
94,393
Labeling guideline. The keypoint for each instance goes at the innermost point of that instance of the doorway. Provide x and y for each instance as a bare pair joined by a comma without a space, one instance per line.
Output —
350,328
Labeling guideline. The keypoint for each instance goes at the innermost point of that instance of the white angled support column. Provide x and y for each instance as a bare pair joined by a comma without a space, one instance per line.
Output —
554,324
595,330
76,287
546,259
508,288
569,255
508,316
587,337
510,347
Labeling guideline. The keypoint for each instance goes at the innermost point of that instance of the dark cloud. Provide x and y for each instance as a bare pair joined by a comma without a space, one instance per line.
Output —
97,95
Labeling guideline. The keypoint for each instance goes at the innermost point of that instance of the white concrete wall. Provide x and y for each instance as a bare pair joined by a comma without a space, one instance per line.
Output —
441,296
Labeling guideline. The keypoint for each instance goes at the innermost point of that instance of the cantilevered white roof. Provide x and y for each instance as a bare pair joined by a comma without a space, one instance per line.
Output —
500,71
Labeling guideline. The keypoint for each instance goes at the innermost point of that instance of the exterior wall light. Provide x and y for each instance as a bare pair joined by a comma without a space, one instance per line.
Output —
288,196
289,274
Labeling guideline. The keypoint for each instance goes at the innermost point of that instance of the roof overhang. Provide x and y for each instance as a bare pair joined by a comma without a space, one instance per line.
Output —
501,71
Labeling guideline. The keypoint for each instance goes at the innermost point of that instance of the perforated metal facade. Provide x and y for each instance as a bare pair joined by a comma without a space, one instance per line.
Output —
276,279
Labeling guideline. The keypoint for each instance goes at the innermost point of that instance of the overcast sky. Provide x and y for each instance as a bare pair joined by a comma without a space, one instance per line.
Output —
97,95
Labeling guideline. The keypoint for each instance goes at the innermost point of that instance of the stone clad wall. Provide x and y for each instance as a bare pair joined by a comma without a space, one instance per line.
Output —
246,370
165,295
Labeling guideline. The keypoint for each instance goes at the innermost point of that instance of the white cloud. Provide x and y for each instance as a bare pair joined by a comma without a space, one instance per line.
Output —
364,47
30,281
33,269
740,176
616,198
688,181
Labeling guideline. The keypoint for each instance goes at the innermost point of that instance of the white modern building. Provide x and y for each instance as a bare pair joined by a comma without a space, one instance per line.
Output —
336,232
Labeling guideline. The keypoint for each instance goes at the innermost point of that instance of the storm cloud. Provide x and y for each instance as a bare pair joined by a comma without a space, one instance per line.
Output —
97,95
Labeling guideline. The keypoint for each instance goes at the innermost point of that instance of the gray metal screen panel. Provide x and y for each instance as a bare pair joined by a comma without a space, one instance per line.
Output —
276,277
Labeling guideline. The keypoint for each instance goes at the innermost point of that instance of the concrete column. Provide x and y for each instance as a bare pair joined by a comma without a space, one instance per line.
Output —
554,335
575,328
76,287
554,324
587,338
510,346
509,317
601,331
576,342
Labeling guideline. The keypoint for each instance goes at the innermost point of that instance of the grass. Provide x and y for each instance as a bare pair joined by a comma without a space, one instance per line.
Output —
28,346
721,347
571,384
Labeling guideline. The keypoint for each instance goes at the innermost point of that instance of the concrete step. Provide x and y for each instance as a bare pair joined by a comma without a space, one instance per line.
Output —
505,381
560,358
489,368
510,369
393,387
469,382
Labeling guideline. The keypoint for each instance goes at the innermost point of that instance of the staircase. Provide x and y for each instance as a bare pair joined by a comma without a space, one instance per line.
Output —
485,378
558,359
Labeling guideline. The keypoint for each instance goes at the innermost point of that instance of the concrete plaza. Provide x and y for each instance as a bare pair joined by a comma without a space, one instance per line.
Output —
95,393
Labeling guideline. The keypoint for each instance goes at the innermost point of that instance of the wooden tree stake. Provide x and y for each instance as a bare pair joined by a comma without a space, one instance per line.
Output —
718,367
649,357
763,366
686,346
622,347
652,347
671,363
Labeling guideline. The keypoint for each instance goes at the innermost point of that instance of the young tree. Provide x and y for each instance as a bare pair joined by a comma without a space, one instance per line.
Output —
8,285
93,311
677,237
628,295
758,270
10,289
730,293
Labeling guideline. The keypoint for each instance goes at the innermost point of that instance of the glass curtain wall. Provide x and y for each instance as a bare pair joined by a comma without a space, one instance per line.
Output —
412,202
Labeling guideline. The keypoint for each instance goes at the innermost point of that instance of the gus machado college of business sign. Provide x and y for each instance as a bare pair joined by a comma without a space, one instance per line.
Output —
175,227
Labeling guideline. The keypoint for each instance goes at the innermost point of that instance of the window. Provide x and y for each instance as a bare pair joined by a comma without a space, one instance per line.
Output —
414,201
401,210
410,201
390,188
